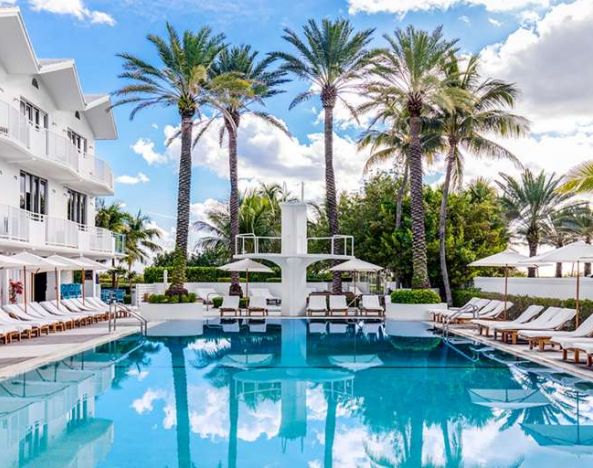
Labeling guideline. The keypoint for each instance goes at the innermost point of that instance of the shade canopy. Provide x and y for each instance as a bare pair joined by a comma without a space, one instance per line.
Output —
575,252
69,263
246,265
37,263
508,258
88,264
11,262
356,265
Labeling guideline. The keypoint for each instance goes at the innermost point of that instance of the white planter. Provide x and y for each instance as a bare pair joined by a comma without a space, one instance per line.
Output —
155,312
411,311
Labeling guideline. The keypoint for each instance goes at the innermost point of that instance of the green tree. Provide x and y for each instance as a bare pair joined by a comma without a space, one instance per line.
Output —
411,70
141,240
577,222
239,84
333,58
114,218
467,131
529,201
178,80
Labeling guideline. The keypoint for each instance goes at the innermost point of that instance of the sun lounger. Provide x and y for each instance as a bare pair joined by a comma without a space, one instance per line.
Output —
528,314
577,346
35,310
547,323
7,333
257,306
207,294
230,306
317,305
539,339
79,318
18,313
265,293
338,305
474,304
491,311
96,310
28,329
370,306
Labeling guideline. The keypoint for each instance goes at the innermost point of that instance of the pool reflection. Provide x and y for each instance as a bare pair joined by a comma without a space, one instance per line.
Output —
295,394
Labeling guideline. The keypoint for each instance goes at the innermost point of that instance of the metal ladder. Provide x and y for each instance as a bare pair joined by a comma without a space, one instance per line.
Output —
113,309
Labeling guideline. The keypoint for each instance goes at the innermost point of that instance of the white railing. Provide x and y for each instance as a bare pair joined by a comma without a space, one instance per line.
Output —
333,245
252,244
338,245
101,240
61,232
52,146
14,224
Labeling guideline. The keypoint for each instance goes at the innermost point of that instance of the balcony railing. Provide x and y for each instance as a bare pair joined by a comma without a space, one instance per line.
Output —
38,231
334,245
51,146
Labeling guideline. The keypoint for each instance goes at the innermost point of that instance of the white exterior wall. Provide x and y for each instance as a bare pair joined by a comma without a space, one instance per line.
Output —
560,288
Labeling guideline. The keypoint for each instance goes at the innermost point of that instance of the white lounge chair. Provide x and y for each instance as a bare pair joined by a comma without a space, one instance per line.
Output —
26,328
577,346
372,328
338,305
207,294
539,338
490,311
484,325
265,293
554,321
257,306
230,306
317,305
35,310
371,306
18,313
474,304
81,318
7,333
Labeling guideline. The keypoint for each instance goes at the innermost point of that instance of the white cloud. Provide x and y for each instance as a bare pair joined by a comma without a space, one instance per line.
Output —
548,62
495,22
404,6
145,148
75,8
139,178
464,19
268,155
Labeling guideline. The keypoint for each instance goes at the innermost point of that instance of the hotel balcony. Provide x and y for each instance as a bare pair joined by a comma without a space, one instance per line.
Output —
21,229
51,154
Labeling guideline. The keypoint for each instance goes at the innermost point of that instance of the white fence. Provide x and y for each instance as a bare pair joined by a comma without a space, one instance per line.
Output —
561,288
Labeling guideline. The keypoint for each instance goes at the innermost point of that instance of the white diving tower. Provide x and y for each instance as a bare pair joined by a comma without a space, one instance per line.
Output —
292,256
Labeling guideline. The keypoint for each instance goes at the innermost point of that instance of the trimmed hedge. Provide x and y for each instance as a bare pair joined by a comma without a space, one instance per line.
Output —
520,303
415,296
175,299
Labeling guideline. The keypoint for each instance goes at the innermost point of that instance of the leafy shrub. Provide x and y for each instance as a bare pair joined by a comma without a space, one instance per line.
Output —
176,299
520,303
204,275
415,296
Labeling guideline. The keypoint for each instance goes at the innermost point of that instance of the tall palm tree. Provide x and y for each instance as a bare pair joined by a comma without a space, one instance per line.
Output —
579,179
412,70
140,240
577,221
528,202
333,58
466,132
114,218
239,83
556,232
178,80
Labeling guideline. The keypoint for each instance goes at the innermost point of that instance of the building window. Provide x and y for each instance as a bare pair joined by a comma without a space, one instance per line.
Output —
78,141
35,116
33,193
76,207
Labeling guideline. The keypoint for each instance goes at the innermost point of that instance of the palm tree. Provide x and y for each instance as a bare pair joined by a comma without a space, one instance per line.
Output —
411,70
140,240
332,57
528,202
178,80
579,179
577,221
240,82
465,129
557,234
115,219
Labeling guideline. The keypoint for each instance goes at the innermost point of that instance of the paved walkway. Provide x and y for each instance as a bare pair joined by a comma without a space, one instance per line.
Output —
28,354
549,357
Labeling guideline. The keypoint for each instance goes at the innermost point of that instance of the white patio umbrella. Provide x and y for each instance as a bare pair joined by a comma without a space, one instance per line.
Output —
36,264
506,259
576,252
8,262
356,265
507,398
70,264
90,265
247,265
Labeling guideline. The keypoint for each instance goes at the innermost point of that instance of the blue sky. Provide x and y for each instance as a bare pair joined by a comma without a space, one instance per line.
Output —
510,35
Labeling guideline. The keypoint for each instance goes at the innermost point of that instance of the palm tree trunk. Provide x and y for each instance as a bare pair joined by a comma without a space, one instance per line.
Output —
184,189
587,266
419,258
234,420
532,242
181,403
558,270
443,222
235,288
330,184
399,202
330,431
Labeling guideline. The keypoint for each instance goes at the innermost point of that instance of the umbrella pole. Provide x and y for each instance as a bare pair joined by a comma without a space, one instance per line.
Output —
506,281
578,292
247,283
25,287
83,285
56,287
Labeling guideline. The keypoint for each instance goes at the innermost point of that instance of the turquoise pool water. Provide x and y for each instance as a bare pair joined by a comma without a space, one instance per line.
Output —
288,397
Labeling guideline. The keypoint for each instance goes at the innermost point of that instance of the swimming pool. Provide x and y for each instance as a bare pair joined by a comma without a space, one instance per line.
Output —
289,397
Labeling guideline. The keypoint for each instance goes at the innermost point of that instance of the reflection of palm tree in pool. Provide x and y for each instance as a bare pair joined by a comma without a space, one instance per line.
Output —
330,429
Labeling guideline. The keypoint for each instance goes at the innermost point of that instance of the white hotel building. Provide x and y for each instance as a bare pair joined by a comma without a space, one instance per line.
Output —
50,174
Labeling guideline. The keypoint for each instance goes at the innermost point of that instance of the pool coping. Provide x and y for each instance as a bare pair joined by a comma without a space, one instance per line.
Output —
535,356
13,370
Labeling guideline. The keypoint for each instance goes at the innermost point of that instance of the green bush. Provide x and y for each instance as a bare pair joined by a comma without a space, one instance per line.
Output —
176,299
520,303
204,275
415,296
